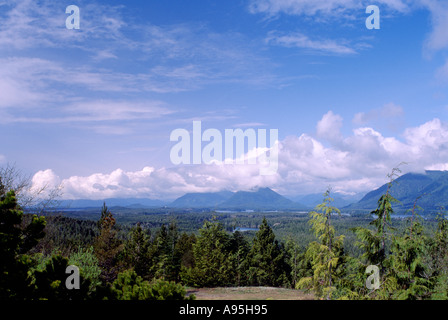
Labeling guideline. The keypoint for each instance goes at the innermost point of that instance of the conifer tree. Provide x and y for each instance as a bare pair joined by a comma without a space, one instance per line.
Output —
105,214
130,286
406,265
324,253
213,261
107,247
174,255
137,252
87,263
15,242
295,256
50,283
240,249
165,256
375,242
438,259
267,261
184,247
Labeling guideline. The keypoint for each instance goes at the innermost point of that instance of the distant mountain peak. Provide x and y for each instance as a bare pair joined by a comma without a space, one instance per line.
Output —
430,188
254,199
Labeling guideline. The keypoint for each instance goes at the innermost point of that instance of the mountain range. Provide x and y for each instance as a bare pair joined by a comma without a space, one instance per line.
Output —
429,189
257,199
339,200
112,202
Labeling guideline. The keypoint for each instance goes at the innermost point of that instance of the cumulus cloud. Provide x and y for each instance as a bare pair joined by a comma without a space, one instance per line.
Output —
45,179
357,163
329,127
45,186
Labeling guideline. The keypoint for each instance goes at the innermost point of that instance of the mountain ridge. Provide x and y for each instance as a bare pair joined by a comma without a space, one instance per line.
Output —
428,190
263,198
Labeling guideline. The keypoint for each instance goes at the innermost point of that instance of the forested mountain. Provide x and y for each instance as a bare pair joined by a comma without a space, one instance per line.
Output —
428,190
340,200
112,202
118,262
202,200
259,199
263,198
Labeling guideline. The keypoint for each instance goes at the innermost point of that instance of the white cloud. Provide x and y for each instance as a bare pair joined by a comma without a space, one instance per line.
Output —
357,163
390,117
174,58
384,113
325,8
116,110
329,127
438,38
438,166
345,12
45,180
429,141
442,72
21,82
27,24
299,40
301,7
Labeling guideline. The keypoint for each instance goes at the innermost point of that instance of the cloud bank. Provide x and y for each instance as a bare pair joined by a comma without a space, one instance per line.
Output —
350,164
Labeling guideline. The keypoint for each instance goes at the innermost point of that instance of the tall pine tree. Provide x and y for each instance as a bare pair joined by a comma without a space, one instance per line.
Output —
107,247
15,242
213,261
324,253
267,260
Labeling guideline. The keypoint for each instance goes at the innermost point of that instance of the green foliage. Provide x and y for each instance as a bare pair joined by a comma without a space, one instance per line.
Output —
240,248
137,253
169,290
213,260
15,242
88,265
108,247
406,262
50,283
65,234
375,242
437,259
267,260
324,254
184,246
165,255
130,286
319,254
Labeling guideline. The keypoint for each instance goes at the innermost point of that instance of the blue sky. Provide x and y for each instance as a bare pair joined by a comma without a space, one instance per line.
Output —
92,109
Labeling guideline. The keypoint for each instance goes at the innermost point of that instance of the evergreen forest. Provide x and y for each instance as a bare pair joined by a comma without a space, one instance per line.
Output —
379,259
